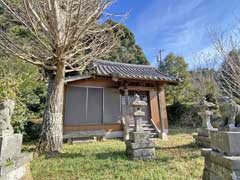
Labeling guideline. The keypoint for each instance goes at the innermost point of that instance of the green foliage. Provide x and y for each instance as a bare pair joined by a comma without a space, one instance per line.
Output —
183,115
126,50
177,67
177,158
21,82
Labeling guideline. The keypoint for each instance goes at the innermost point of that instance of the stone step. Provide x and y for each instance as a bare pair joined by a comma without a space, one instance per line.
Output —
144,125
80,141
149,129
143,122
153,135
145,129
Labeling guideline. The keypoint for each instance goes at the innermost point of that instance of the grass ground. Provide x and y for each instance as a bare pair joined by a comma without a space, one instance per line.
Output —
178,158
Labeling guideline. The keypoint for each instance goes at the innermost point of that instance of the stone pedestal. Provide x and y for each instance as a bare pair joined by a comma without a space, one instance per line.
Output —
219,166
10,146
140,146
202,138
222,162
226,142
14,165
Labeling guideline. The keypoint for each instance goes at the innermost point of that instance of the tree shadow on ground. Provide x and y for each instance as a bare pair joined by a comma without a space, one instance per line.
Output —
112,155
192,145
165,159
64,155
178,131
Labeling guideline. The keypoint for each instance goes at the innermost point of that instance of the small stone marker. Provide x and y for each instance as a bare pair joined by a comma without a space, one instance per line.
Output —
222,161
203,136
14,165
139,146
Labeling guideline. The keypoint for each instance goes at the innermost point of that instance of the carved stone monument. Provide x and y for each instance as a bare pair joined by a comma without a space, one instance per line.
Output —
139,146
203,136
13,164
222,161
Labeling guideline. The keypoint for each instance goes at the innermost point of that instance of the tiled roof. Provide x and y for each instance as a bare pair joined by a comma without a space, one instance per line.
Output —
129,71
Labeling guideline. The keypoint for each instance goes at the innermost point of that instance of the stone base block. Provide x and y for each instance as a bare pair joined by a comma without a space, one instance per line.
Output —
202,141
10,146
139,137
17,168
220,167
141,154
141,145
203,132
226,142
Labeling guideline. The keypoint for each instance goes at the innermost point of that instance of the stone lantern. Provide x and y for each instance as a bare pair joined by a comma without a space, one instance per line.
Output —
203,136
138,113
205,113
139,146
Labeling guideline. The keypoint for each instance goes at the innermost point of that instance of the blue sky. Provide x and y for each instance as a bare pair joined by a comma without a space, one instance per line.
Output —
178,26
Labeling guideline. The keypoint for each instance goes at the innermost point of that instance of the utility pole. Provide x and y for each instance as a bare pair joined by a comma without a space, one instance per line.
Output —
159,57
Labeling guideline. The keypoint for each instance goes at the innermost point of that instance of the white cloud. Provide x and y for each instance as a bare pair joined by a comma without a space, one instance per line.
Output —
161,14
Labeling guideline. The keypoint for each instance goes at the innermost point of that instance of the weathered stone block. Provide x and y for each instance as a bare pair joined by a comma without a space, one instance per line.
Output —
10,146
16,167
141,153
202,141
203,132
220,167
139,137
144,158
226,142
140,145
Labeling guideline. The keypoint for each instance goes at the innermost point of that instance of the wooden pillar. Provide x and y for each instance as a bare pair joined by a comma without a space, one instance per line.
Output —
126,113
162,112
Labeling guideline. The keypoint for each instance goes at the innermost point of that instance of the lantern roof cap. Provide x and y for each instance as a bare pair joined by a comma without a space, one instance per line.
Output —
137,101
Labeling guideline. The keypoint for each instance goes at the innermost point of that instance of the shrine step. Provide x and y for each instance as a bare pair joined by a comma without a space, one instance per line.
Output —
147,126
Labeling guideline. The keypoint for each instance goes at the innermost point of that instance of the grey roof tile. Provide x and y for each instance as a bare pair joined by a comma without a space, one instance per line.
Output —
123,70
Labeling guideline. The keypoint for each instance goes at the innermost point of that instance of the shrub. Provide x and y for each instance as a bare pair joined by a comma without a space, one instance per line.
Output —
21,82
183,115
33,129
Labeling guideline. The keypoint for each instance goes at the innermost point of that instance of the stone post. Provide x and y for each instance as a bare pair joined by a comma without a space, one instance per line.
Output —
203,138
222,160
139,146
13,164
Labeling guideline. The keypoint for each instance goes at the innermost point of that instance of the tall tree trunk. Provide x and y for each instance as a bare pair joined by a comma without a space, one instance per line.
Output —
51,136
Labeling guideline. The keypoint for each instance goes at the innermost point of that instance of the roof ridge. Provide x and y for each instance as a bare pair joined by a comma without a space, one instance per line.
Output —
125,64
135,65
